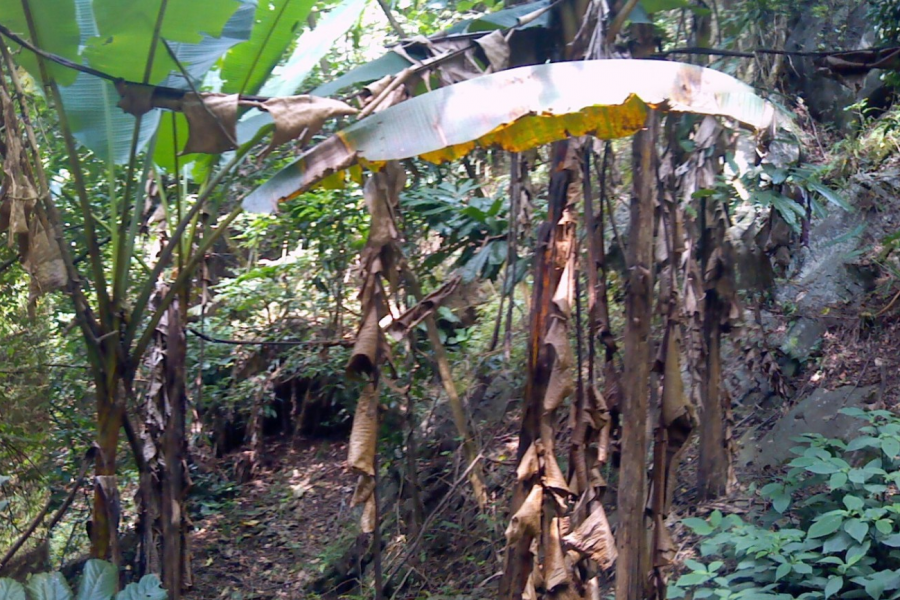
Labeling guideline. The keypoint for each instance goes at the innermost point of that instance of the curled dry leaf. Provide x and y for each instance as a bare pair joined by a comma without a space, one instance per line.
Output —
400,326
553,478
365,354
528,466
595,538
527,520
560,385
135,99
367,522
212,122
556,572
382,194
365,486
530,593
496,49
301,117
44,261
364,435
665,546
386,92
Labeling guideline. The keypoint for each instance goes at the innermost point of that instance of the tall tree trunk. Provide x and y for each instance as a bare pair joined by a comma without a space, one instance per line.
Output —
632,543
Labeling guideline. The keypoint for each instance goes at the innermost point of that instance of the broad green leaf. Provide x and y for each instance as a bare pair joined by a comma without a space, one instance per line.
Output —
148,588
99,581
856,553
853,502
57,32
874,588
49,586
653,6
519,109
11,589
312,47
197,59
866,441
91,106
826,525
781,501
892,540
783,570
837,480
857,529
389,64
692,579
891,447
884,526
126,28
248,65
170,141
833,586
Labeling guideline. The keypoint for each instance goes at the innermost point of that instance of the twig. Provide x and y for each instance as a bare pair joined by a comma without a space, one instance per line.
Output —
85,465
617,23
401,559
325,343
390,17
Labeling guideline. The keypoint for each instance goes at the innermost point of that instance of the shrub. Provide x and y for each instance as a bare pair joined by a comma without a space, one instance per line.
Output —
832,529
99,581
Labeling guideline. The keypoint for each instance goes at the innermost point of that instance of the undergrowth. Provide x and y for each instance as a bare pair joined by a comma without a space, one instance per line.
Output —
832,528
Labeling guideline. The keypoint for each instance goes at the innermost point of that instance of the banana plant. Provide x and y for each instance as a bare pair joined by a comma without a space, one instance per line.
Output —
82,51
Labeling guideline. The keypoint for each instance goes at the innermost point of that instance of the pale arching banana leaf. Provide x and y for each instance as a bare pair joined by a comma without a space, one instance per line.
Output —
519,109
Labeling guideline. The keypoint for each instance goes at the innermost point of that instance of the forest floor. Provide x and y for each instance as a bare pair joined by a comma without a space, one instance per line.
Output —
280,529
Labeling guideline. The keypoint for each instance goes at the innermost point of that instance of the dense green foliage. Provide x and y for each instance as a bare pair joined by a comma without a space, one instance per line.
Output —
833,530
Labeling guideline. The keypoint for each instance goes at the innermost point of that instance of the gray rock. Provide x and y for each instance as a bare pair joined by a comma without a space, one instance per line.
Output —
803,339
817,413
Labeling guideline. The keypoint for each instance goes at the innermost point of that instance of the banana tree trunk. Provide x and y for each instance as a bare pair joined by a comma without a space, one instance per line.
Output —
104,525
632,537
164,521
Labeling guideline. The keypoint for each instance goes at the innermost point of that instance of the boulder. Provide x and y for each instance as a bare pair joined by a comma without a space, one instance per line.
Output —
817,413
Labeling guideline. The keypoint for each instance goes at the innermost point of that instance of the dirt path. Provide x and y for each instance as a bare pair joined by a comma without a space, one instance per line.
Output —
281,529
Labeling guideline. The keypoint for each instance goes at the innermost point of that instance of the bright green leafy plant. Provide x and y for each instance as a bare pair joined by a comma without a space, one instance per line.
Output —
832,531
98,582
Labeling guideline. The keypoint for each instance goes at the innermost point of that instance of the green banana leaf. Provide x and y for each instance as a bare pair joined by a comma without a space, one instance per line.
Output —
248,65
388,64
199,58
311,48
126,29
90,104
56,28
516,110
